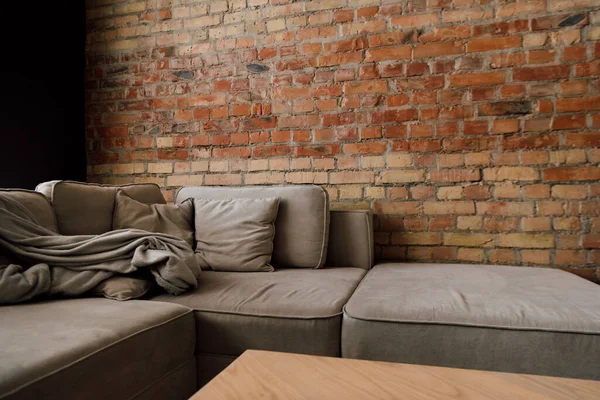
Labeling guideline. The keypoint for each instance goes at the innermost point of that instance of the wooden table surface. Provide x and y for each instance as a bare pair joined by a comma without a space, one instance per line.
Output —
270,375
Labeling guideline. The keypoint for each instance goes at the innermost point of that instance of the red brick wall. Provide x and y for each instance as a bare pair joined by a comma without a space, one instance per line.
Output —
470,127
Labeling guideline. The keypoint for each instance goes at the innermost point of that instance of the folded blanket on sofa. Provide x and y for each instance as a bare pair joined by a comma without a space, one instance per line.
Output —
72,265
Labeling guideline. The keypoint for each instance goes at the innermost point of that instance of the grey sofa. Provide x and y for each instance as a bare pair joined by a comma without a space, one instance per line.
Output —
527,320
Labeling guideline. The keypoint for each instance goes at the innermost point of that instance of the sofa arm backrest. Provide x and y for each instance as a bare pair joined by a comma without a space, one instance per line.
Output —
351,241
37,204
87,208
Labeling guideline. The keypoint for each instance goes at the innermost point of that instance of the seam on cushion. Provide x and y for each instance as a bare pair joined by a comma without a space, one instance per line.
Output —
344,307
272,241
329,316
370,239
363,279
162,378
324,243
82,358
472,325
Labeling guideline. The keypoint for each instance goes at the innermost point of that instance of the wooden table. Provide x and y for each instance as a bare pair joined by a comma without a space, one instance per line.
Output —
270,375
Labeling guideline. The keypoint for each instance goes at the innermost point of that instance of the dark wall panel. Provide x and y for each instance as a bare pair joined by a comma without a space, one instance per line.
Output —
42,127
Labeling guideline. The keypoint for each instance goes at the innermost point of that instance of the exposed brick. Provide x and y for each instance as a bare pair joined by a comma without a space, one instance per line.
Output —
530,141
541,257
536,224
365,148
469,239
506,108
351,177
416,238
449,207
398,207
478,79
526,240
588,139
541,73
504,208
366,87
510,174
578,104
437,49
465,122
571,173
489,44
455,175
395,176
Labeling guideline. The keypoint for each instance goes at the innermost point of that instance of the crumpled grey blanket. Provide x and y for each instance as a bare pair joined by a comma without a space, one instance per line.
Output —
72,265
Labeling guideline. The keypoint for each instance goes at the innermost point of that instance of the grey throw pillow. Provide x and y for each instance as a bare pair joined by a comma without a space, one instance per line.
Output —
172,219
235,234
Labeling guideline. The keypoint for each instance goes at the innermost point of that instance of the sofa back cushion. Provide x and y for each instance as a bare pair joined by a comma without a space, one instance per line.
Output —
37,204
87,209
302,224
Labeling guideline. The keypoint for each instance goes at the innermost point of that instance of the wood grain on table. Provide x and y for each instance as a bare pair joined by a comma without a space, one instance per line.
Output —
271,375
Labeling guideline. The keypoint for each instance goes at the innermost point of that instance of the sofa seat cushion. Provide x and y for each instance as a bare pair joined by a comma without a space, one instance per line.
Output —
87,208
91,348
289,310
514,319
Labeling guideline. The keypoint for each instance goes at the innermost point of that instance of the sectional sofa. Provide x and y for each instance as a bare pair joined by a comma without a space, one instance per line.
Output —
528,320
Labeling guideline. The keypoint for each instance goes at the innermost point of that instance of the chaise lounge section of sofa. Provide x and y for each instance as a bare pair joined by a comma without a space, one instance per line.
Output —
512,319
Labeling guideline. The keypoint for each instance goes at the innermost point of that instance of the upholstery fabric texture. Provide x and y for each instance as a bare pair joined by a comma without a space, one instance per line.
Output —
478,295
290,310
123,287
72,265
511,319
97,349
302,224
172,219
86,208
351,239
37,204
235,234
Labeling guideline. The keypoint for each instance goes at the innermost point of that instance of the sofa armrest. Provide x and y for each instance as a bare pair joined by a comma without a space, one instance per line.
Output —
351,242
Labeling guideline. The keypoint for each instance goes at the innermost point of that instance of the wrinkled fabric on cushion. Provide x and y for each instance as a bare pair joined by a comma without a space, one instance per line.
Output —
37,204
302,224
512,319
290,310
91,348
235,234
172,219
72,265
87,208
122,287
